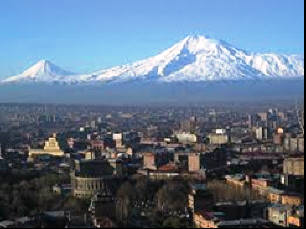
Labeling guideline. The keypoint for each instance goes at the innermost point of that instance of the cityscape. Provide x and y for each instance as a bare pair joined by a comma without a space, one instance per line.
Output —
238,165
163,114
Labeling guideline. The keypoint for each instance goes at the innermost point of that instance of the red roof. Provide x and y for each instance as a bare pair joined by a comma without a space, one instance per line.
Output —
168,167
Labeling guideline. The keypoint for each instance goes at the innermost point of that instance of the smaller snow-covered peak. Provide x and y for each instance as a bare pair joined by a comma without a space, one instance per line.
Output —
42,71
45,67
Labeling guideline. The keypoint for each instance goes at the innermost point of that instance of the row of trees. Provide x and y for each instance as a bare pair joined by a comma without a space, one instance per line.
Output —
171,196
224,192
27,196
166,196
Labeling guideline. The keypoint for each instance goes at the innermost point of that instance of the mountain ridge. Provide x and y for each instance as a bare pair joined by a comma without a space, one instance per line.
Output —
193,59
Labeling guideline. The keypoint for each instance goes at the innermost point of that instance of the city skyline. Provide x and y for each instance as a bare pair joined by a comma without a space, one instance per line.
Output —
90,166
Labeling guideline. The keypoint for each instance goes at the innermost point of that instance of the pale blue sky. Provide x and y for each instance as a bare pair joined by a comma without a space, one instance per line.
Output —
88,35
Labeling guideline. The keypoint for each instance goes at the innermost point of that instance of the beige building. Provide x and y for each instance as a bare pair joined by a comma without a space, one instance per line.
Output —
263,116
294,166
202,219
278,214
292,200
51,148
194,164
259,133
186,138
218,139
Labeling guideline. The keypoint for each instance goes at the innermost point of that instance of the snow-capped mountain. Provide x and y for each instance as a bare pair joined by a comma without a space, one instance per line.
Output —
42,71
196,58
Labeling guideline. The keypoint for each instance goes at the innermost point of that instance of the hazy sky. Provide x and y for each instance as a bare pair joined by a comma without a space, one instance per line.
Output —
88,35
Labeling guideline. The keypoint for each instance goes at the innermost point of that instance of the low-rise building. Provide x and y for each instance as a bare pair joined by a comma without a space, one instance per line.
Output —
153,160
218,139
296,221
204,219
292,199
261,185
294,166
51,148
236,180
275,195
278,214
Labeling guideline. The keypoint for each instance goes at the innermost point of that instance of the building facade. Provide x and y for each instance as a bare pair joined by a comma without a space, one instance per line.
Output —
294,166
51,148
90,177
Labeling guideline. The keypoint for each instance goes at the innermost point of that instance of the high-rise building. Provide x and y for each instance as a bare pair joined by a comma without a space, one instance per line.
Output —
194,164
117,137
249,122
259,133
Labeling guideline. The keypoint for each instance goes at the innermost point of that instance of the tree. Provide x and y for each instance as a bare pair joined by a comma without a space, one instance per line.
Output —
225,192
172,197
24,194
126,196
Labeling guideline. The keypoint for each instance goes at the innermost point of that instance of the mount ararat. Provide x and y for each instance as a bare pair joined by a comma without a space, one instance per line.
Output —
195,70
194,59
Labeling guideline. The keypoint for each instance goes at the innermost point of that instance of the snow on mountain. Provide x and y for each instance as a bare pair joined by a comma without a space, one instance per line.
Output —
196,58
42,71
278,65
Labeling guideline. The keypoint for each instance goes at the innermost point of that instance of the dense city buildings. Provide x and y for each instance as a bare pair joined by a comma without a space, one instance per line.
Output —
212,166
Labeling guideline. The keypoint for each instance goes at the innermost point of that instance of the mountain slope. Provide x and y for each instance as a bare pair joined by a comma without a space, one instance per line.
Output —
194,59
197,58
42,71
